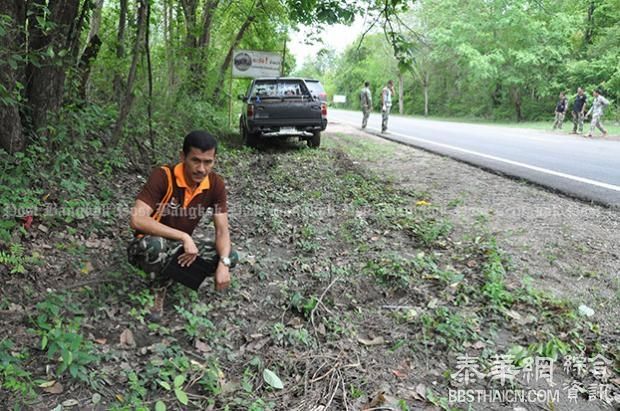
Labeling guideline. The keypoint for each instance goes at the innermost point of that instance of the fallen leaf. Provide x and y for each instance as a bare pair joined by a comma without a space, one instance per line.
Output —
70,403
87,267
101,340
47,384
433,303
43,228
420,389
377,401
272,379
127,339
27,222
321,329
92,243
96,399
15,307
422,203
201,346
399,374
295,322
472,264
56,388
514,315
375,341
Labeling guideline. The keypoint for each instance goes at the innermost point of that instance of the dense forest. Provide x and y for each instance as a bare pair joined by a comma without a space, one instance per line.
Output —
490,59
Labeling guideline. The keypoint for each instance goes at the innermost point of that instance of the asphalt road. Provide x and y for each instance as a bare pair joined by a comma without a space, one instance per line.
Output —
585,168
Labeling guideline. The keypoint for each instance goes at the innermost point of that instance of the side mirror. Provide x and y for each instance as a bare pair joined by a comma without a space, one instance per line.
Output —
242,97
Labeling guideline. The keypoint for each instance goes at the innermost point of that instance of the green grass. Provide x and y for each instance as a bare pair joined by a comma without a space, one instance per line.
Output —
610,122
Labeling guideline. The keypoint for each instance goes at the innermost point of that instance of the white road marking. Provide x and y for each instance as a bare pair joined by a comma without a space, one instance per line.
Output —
511,162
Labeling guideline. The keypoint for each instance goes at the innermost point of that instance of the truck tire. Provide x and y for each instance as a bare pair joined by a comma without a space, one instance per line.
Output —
315,140
249,139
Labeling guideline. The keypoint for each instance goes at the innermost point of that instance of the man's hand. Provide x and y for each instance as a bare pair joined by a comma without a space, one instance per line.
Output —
222,277
191,252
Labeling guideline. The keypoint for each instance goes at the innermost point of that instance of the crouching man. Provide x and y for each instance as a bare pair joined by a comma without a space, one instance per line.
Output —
169,208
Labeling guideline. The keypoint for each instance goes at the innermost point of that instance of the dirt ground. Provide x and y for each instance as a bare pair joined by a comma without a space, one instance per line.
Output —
568,247
351,289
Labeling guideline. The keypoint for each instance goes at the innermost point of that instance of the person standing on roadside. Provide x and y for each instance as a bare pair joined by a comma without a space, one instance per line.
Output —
365,103
597,110
386,104
560,111
579,108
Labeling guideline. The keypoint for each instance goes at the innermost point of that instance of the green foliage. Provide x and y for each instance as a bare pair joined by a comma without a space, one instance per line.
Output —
12,375
488,59
61,338
449,328
15,259
198,325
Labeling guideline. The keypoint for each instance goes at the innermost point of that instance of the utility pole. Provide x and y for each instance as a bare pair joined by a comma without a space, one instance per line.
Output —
283,58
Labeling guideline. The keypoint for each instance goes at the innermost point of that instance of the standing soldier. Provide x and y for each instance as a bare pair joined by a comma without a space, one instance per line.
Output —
560,111
386,104
597,110
579,108
365,103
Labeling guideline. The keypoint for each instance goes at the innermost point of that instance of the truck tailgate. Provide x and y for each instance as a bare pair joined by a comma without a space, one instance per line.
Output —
295,111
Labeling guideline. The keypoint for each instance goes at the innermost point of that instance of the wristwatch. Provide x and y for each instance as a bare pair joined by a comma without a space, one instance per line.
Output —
225,261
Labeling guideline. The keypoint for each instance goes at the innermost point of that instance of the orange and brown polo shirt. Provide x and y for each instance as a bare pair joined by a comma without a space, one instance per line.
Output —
186,206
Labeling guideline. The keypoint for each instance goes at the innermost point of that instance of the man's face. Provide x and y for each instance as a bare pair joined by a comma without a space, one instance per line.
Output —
198,164
595,93
580,91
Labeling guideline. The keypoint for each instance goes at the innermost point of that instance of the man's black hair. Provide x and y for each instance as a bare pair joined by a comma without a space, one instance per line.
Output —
200,139
598,90
366,83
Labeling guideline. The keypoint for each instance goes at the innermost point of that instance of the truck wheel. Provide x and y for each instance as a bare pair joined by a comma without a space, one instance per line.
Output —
250,139
315,140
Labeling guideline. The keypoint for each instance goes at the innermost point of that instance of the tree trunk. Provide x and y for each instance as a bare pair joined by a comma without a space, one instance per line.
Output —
11,132
120,48
85,64
91,49
227,60
197,40
46,79
516,95
127,101
587,39
95,23
150,74
401,87
425,85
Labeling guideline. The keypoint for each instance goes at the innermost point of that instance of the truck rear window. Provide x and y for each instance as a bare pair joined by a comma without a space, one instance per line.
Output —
279,89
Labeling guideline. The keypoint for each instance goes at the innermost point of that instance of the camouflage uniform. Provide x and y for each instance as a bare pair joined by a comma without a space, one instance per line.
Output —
366,103
152,254
597,110
385,110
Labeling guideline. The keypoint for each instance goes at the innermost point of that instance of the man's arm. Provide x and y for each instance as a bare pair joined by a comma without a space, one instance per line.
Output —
142,221
222,246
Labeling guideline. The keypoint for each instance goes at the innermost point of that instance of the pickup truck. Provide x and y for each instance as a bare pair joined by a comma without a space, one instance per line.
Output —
282,107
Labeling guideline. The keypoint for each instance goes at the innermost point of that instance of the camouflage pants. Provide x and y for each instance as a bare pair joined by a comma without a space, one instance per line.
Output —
577,122
366,113
559,119
596,123
385,115
152,254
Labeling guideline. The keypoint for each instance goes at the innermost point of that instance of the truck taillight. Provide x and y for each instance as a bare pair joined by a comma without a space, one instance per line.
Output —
250,110
324,110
